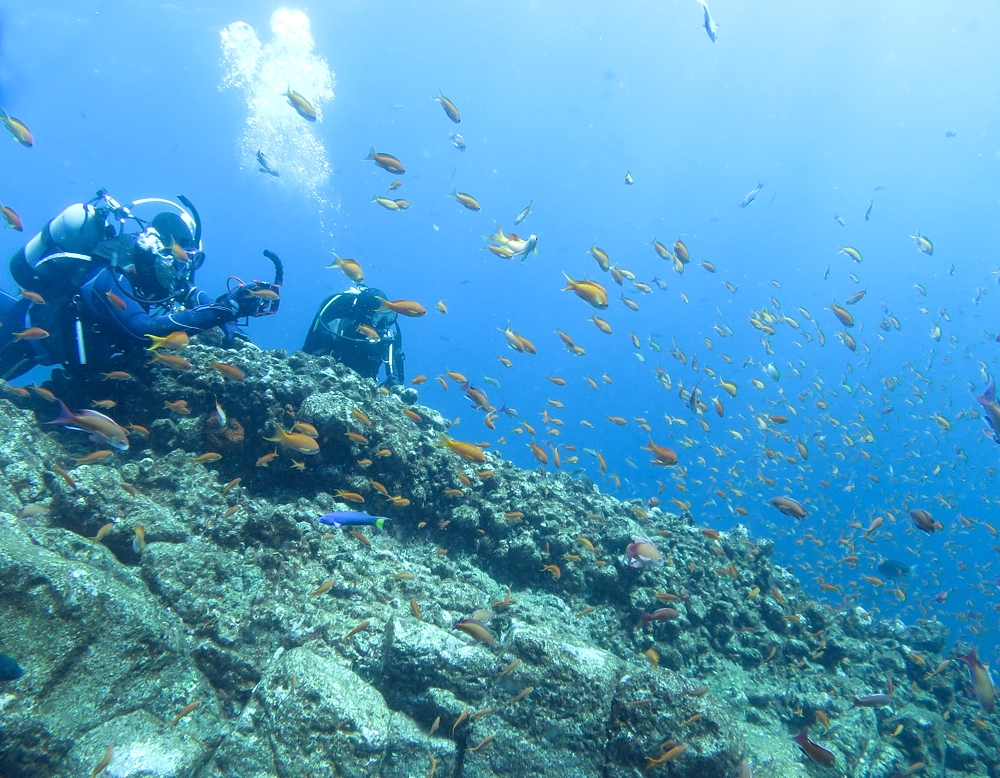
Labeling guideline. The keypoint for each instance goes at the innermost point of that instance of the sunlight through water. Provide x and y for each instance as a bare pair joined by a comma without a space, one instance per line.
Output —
263,72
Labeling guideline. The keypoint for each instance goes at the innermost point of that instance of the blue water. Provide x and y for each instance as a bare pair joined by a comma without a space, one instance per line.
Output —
829,105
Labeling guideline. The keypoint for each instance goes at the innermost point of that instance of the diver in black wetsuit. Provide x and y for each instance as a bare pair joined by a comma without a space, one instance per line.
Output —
96,290
349,327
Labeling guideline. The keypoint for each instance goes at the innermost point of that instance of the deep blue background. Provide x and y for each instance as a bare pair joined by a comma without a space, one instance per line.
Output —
822,103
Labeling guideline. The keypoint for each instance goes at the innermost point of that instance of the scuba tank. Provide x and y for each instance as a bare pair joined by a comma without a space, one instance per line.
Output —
58,259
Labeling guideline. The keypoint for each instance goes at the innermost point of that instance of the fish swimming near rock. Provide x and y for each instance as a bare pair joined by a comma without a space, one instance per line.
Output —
101,428
10,670
641,552
814,751
353,519
982,681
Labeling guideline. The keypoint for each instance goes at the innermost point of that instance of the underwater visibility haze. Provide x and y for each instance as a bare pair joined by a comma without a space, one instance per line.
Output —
685,457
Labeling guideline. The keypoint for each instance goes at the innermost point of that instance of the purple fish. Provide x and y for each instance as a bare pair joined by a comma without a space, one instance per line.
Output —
988,400
339,519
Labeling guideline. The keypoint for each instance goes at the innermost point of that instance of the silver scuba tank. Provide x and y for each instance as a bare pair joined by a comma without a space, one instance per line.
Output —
58,257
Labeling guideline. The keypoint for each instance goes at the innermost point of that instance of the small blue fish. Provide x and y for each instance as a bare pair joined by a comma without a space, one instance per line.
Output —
339,519
9,669
523,214
751,195
457,141
710,26
868,212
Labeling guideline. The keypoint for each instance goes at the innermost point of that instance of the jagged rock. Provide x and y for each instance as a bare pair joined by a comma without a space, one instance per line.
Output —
241,595
309,712
95,648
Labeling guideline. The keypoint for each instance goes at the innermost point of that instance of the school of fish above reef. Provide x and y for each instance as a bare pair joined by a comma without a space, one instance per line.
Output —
173,614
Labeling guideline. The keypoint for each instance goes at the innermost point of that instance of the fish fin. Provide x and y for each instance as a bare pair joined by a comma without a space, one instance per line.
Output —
66,416
371,154
989,397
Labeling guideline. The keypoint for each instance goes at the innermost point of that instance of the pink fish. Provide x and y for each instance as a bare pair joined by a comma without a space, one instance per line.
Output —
478,397
102,429
641,552
982,681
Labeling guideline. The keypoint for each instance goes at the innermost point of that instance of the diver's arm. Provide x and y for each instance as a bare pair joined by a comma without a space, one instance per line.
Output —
137,323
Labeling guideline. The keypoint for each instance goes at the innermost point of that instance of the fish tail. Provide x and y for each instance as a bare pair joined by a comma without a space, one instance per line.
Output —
989,397
157,342
278,436
371,154
66,416
383,304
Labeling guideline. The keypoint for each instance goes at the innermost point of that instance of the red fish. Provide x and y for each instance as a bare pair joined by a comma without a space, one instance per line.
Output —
814,751
660,614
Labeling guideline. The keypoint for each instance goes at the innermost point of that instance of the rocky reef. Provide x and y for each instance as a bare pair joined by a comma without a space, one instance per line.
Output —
234,635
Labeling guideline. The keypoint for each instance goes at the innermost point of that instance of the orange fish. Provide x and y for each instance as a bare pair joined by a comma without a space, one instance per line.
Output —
404,307
302,106
386,162
171,360
591,292
662,454
17,129
31,333
265,460
175,341
115,300
13,220
465,450
96,456
295,441
229,371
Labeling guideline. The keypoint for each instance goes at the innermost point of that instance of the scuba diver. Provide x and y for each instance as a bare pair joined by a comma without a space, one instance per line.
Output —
97,279
349,327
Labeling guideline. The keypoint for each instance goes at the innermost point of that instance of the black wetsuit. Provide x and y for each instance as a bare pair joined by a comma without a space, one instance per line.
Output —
86,329
335,332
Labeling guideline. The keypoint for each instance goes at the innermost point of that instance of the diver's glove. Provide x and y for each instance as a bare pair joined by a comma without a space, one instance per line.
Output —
233,336
242,302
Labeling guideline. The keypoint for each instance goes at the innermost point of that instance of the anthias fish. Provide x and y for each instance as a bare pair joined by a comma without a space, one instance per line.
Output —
102,429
